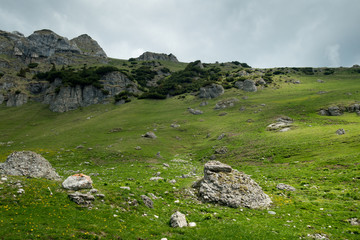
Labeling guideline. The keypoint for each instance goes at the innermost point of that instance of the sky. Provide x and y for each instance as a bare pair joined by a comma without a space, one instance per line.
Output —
262,33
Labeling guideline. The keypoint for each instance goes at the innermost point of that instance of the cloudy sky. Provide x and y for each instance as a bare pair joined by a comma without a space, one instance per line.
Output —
262,33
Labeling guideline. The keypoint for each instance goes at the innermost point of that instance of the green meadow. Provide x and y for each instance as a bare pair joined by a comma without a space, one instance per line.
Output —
101,140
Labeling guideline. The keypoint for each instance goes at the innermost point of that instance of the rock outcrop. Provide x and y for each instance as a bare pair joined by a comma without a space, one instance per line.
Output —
282,124
88,46
81,198
226,103
211,91
29,164
45,43
150,56
16,99
247,85
226,186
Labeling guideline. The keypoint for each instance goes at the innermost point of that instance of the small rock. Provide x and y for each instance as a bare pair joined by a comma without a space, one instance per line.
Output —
192,224
173,181
221,150
79,146
4,179
152,196
221,136
286,187
166,165
125,187
271,212
137,148
156,178
149,135
340,131
178,220
21,191
147,201
354,221
202,104
92,191
174,125
195,112
100,195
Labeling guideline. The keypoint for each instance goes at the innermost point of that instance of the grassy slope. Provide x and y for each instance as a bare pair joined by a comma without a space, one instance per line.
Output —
323,166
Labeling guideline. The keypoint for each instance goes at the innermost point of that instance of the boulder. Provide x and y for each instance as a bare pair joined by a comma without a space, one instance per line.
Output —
226,186
147,201
340,131
29,164
212,91
77,182
195,112
282,124
334,111
249,86
149,135
239,84
286,187
81,199
178,220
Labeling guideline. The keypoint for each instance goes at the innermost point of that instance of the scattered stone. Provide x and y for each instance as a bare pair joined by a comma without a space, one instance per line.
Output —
320,81
321,236
226,103
149,135
281,123
178,220
192,224
195,112
152,196
286,187
202,104
250,120
156,178
81,199
4,179
271,212
221,150
147,201
226,186
137,148
211,91
340,131
321,92
79,146
157,174
100,195
354,221
174,125
212,157
221,136
92,191
173,181
20,191
125,187
115,130
77,182
245,97
30,164
242,109
285,129
158,155
166,165
222,114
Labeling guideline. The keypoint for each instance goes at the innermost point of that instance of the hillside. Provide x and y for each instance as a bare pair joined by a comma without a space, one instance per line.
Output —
105,142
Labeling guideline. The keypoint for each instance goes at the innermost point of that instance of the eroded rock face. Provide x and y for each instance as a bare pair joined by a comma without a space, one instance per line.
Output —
77,182
212,91
226,186
81,198
282,124
16,99
30,164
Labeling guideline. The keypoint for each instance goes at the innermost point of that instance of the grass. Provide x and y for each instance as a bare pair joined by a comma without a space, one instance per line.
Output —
322,166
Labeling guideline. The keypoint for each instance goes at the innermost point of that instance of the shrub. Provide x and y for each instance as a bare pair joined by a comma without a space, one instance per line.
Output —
329,71
22,73
33,65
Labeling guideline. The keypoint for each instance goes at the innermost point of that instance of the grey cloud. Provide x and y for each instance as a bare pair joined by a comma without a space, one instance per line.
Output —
263,33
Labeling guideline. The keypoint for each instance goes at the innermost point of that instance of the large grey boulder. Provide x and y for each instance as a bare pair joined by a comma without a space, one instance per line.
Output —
212,91
29,164
249,86
77,182
178,220
226,186
88,46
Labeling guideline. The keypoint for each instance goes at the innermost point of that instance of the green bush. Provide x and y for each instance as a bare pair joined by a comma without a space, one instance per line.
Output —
33,65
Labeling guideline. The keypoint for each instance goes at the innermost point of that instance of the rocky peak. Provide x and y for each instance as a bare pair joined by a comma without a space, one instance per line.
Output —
88,46
150,56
